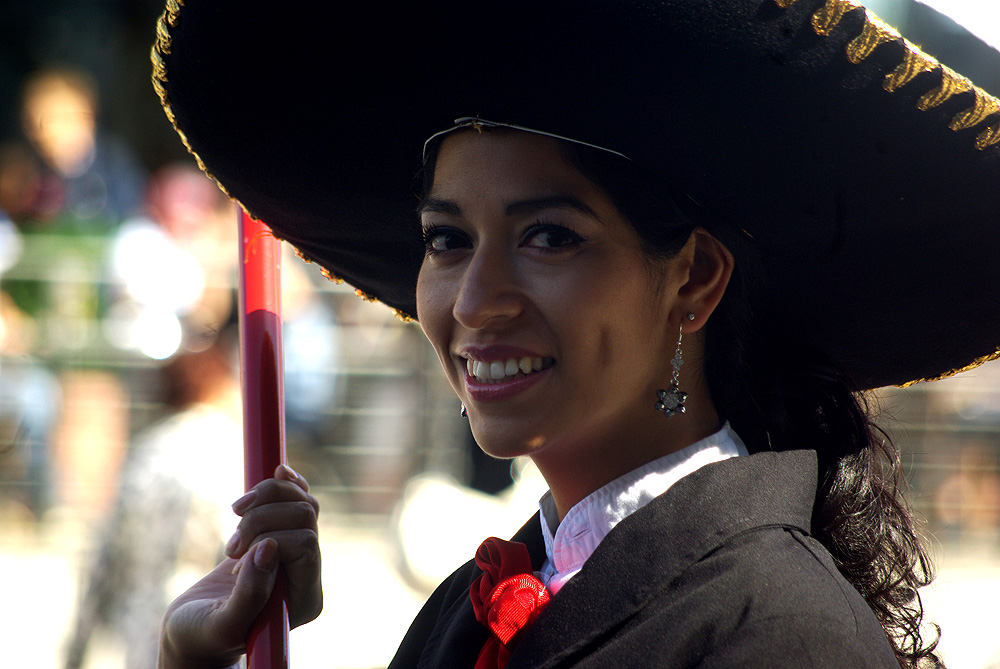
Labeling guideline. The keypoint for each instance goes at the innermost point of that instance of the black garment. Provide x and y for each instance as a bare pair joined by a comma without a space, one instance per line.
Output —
719,571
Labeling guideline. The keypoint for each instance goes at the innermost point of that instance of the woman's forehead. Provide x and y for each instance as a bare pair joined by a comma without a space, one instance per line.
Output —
504,161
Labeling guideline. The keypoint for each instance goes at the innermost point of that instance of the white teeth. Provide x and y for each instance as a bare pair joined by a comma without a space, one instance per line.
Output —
497,370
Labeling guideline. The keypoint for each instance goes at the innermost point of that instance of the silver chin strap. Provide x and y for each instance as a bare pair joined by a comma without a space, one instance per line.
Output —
478,124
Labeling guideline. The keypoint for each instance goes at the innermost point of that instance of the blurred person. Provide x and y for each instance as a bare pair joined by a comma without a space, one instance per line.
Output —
30,401
185,232
968,501
92,179
20,182
172,509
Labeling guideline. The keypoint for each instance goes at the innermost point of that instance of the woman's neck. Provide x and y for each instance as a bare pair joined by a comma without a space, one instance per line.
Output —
580,466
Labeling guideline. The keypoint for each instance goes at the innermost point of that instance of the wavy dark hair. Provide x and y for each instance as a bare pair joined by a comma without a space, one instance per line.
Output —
779,396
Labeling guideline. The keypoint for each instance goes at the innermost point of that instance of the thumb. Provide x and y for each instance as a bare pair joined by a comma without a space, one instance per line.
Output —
204,627
258,571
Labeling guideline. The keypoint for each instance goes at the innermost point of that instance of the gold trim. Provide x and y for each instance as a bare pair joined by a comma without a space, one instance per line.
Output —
984,106
827,18
173,10
972,365
988,137
330,275
164,41
952,83
914,62
875,33
163,36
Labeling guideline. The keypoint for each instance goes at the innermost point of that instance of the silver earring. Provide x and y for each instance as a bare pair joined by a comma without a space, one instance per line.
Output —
671,401
465,413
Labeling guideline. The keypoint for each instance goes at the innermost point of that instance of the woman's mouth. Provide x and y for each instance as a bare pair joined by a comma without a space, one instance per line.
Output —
499,371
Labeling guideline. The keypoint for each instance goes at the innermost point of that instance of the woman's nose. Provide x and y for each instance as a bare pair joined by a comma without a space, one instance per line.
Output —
490,293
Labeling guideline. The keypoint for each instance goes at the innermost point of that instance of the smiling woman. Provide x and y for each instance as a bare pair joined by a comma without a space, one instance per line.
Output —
694,235
529,259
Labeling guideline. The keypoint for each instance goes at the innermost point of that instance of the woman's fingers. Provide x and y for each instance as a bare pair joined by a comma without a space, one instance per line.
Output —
268,519
286,473
281,509
274,490
299,556
255,576
207,626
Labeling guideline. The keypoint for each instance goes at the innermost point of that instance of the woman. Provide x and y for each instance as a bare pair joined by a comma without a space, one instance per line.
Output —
666,300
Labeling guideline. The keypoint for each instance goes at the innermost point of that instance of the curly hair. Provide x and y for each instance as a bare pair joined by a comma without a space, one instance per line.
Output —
779,395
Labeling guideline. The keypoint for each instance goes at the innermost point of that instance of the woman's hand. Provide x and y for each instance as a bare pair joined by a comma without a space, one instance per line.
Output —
207,626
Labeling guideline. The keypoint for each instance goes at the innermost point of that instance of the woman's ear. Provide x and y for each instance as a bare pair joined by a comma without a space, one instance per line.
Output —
709,266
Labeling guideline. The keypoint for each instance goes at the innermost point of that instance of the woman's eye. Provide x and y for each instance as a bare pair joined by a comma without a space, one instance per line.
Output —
442,240
550,236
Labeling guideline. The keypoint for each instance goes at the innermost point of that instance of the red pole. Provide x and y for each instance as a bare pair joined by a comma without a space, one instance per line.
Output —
263,408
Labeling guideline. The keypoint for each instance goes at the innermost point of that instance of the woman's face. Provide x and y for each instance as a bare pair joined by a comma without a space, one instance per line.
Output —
551,323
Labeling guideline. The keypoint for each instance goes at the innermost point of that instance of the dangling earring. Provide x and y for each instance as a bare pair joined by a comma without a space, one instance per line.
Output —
671,401
465,413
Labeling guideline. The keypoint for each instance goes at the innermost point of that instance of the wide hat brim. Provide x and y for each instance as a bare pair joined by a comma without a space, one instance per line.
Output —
866,175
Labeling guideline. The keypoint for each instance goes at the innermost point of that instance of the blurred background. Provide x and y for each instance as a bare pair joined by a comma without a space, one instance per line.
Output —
120,444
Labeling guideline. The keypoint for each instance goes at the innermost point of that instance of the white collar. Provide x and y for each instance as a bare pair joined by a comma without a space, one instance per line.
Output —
590,520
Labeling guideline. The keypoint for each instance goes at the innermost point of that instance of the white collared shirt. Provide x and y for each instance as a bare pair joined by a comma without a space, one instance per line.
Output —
590,520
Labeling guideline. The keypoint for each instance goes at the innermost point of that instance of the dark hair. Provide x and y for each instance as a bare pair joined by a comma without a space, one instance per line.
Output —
779,395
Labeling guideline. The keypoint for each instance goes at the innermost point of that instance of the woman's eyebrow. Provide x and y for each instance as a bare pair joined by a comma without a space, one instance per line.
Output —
522,207
436,206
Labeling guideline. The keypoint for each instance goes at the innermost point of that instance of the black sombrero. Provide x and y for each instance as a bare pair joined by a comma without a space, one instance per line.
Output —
867,175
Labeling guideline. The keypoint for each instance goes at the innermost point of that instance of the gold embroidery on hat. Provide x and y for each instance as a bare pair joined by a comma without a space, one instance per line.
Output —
330,275
972,365
301,254
163,37
827,18
914,62
988,137
984,106
952,83
874,33
163,44
402,315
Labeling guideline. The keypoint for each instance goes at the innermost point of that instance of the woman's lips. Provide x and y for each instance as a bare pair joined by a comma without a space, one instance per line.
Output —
497,372
503,389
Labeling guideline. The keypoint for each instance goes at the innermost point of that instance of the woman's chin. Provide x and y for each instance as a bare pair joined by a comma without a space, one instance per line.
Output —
505,441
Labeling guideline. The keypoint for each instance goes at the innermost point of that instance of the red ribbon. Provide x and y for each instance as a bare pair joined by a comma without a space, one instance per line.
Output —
506,598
